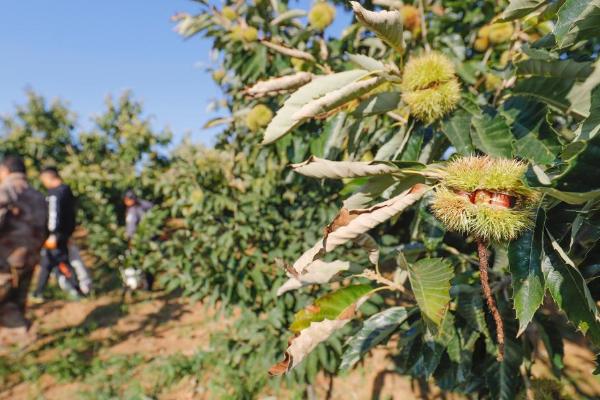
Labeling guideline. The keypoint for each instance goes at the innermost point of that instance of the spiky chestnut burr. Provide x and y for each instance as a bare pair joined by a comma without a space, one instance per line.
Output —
485,197
430,87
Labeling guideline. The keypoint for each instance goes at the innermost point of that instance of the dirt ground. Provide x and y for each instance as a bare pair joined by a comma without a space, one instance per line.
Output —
158,325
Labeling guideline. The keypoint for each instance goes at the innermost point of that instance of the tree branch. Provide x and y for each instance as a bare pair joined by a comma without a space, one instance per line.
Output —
489,297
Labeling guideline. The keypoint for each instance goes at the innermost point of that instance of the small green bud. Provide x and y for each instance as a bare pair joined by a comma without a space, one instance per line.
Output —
244,34
321,15
500,32
258,117
229,13
218,75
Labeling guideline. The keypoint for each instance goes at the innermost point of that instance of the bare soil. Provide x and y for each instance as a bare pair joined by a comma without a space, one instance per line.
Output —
157,325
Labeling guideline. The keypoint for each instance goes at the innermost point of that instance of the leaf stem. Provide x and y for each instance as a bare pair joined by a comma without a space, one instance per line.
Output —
374,276
424,27
489,297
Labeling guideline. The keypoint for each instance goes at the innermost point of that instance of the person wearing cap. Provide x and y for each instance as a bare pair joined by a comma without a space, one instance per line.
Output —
136,208
134,278
61,224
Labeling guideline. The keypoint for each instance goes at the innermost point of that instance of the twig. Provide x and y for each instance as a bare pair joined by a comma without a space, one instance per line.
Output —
489,297
372,275
458,254
424,26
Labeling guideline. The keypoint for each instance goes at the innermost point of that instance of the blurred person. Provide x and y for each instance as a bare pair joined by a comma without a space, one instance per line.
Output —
136,208
61,224
23,215
84,277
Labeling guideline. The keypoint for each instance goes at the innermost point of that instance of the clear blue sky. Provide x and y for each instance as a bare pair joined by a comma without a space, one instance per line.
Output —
82,51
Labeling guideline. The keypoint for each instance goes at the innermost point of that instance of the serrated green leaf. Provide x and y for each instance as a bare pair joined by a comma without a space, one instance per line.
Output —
283,122
470,307
457,129
552,91
503,377
374,331
577,20
520,8
366,62
591,126
551,337
377,104
571,197
430,282
329,307
525,258
529,147
580,96
413,147
570,292
492,135
563,69
583,170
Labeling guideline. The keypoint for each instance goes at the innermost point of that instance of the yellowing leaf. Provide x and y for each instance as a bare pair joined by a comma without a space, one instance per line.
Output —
280,84
319,321
337,98
283,122
287,51
358,223
320,168
316,272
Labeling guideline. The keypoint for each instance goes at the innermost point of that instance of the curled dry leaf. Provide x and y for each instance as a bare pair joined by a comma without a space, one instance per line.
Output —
349,227
320,168
289,51
280,84
304,343
337,98
323,50
317,322
387,25
287,16
367,242
317,272
367,219
343,218
366,62
283,122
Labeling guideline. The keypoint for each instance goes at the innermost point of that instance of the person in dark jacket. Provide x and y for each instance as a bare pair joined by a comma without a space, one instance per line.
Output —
61,224
22,232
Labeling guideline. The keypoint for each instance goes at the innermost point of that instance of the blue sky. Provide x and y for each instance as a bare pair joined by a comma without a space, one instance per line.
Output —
83,51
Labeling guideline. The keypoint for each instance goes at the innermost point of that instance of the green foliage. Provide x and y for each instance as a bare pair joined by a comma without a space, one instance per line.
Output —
374,331
525,260
538,111
430,282
330,306
225,216
98,165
